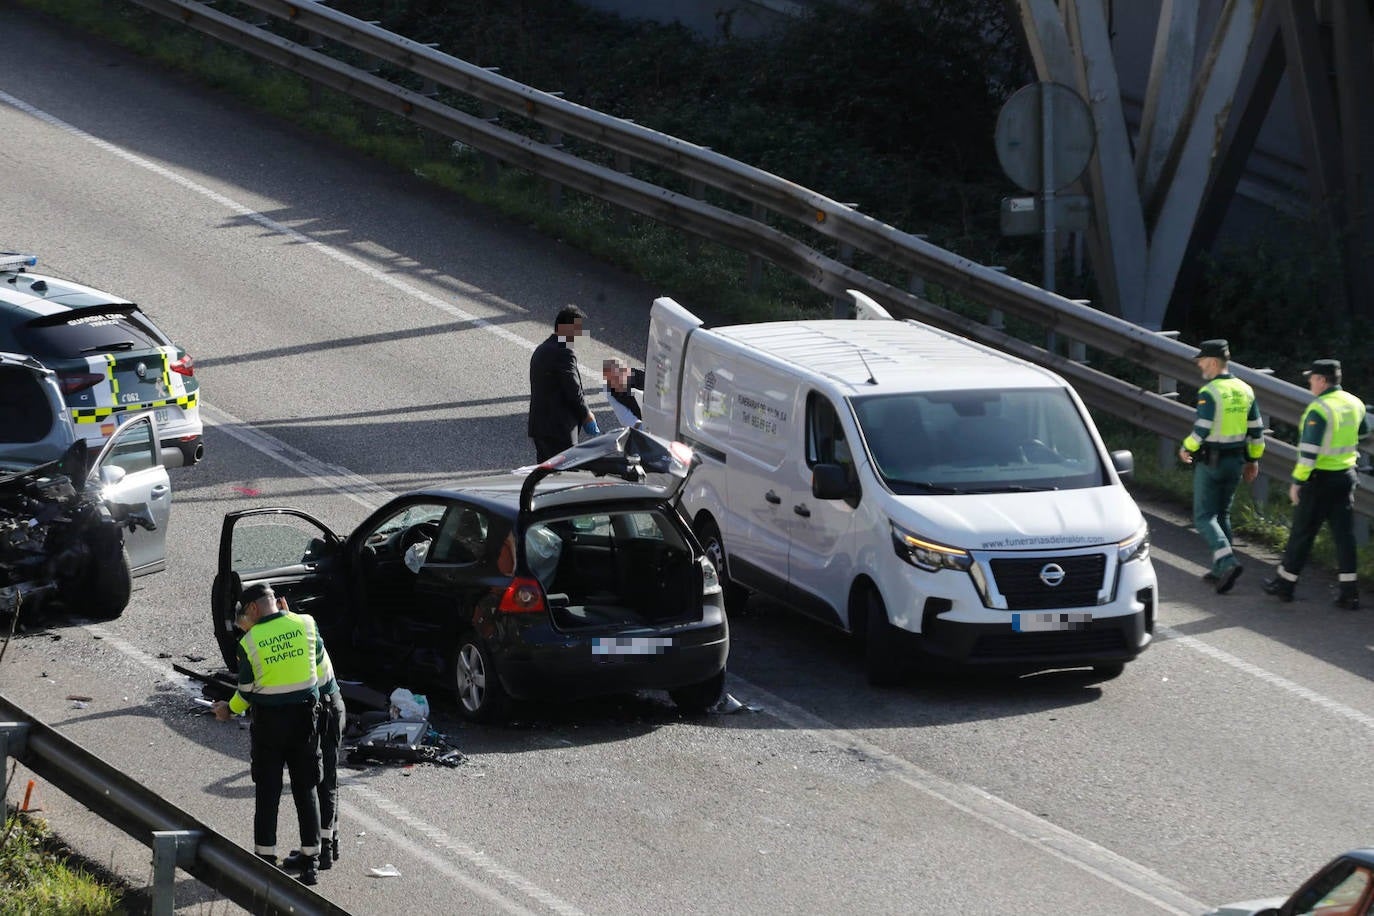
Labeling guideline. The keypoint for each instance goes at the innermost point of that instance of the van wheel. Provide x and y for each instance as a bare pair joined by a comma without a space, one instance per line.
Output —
696,699
708,533
883,657
481,698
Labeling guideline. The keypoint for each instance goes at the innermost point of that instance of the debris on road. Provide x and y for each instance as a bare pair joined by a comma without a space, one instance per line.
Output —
727,705
77,696
386,871
405,742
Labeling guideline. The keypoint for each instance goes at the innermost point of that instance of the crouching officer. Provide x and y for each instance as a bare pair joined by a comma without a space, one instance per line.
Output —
278,659
1224,447
1323,487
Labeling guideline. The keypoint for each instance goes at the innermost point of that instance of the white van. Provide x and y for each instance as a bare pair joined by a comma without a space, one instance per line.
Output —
930,495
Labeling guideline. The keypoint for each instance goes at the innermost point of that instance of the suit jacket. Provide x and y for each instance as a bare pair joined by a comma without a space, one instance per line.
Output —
556,403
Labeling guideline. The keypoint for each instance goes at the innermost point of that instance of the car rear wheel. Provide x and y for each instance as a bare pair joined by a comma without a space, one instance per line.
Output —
883,656
696,699
481,698
708,533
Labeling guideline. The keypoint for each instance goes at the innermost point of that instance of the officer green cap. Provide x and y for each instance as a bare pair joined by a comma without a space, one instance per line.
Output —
1329,368
1217,348
253,593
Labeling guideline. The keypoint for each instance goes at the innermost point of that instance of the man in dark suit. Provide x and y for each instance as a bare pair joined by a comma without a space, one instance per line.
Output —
557,408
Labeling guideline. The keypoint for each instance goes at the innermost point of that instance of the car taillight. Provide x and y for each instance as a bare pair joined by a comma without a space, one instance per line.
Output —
522,596
72,382
184,366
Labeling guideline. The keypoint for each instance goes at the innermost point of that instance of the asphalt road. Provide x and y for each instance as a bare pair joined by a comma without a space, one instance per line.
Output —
358,334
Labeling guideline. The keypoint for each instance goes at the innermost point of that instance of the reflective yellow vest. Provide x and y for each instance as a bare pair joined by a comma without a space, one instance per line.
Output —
1331,427
280,652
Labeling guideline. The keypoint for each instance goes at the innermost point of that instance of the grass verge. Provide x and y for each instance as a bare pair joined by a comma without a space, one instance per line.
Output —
38,875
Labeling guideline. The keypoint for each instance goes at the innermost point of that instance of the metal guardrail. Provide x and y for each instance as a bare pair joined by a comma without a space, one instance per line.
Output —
768,193
177,839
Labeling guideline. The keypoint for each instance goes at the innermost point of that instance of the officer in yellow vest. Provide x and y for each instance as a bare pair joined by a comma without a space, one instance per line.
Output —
333,718
279,657
1323,487
1224,448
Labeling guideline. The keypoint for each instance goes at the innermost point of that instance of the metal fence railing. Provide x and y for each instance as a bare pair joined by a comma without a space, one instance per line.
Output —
177,839
762,195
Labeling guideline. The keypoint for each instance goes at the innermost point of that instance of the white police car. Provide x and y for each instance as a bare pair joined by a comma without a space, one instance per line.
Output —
111,360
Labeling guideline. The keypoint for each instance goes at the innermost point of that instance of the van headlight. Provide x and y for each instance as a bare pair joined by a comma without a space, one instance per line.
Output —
926,554
1135,547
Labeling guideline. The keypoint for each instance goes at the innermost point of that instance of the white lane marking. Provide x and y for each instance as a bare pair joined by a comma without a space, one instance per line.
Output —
272,225
474,857
1226,658
1169,634
992,810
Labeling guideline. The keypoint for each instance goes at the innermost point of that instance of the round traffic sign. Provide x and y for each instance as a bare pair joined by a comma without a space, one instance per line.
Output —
1018,138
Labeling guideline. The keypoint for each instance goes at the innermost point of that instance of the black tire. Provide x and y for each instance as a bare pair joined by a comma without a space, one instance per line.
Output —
696,699
110,580
476,685
708,533
884,660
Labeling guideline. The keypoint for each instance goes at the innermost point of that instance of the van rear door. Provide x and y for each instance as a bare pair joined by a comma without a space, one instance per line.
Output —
669,326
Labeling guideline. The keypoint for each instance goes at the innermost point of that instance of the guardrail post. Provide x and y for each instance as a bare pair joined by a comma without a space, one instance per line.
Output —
14,741
696,189
622,215
1168,387
759,214
996,319
171,848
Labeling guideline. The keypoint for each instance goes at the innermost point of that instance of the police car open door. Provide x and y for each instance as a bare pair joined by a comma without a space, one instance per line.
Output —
297,556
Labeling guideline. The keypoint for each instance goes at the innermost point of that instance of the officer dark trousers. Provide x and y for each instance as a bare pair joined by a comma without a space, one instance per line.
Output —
286,736
332,718
1328,496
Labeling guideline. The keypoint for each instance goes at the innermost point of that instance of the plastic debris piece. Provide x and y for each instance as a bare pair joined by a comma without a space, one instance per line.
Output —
727,705
194,658
164,655
77,696
386,871
79,704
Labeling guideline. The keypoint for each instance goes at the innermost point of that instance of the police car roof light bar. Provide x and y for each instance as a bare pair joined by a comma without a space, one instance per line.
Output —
13,260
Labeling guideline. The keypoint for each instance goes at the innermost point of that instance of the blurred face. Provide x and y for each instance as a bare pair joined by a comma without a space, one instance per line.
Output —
618,377
1209,367
569,331
1317,383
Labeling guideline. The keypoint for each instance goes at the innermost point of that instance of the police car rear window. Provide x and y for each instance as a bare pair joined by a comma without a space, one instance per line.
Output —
89,333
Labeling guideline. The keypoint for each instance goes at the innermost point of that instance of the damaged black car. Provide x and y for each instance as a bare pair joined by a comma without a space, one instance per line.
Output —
73,531
573,578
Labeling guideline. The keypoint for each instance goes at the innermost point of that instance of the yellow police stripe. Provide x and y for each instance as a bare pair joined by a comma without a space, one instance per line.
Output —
96,414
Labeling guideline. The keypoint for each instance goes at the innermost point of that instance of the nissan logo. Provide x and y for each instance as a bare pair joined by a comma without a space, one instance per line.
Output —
1052,574
141,370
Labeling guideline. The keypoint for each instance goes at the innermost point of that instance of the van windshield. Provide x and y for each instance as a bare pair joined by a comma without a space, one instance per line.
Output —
1018,440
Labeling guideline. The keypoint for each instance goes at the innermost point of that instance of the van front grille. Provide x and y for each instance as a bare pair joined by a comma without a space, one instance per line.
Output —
1023,581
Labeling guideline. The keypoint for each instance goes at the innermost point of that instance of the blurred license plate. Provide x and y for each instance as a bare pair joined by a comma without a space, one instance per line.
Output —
1031,623
631,645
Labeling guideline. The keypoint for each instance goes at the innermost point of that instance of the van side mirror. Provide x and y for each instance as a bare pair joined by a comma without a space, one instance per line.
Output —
1124,462
830,481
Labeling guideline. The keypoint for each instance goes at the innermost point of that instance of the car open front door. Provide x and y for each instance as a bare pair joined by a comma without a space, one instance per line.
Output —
132,480
297,556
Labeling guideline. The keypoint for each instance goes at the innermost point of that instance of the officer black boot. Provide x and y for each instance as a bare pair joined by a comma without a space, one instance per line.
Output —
334,846
269,859
1348,598
1279,587
326,854
308,873
294,861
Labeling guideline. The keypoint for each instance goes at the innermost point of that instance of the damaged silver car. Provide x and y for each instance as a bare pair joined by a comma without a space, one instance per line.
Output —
72,530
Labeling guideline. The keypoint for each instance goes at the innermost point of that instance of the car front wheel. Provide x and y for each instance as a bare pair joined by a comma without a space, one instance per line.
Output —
481,698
